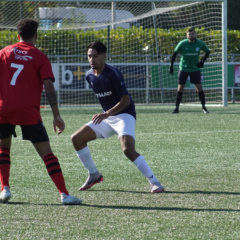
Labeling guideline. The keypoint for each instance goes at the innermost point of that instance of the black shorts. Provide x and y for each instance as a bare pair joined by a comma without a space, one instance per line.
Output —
34,133
195,77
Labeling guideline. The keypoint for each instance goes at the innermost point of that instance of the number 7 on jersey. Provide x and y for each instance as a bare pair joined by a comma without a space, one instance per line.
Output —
19,68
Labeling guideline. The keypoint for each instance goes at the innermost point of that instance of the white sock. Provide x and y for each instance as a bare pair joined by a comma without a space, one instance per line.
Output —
143,167
86,158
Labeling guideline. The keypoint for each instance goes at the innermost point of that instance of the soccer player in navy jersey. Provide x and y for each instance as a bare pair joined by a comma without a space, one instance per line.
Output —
118,117
24,71
190,66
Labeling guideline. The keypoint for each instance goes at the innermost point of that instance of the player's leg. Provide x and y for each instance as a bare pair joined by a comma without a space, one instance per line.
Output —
201,97
182,77
128,148
124,126
178,97
52,165
195,78
6,132
5,162
38,136
79,140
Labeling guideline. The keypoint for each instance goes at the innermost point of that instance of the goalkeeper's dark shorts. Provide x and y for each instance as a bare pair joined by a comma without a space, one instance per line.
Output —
35,133
195,77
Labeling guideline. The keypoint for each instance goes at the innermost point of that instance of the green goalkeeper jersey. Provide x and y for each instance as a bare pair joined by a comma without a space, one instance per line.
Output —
190,52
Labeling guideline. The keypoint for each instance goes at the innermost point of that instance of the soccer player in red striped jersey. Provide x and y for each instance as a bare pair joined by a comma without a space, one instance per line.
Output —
24,71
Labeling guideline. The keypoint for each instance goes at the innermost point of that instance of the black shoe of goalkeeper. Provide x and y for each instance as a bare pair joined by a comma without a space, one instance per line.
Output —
205,110
176,110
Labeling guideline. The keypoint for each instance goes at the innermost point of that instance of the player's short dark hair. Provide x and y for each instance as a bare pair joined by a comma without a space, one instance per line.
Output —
191,29
27,28
98,46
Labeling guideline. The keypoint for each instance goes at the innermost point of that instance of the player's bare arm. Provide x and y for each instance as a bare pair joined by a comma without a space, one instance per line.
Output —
123,103
58,123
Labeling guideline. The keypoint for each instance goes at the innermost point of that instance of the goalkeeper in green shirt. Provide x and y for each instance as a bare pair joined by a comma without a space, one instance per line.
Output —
190,66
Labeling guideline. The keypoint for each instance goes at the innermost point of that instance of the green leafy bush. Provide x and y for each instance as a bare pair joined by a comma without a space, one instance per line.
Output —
132,41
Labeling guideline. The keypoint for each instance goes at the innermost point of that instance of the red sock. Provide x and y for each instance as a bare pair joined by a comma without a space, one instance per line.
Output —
55,172
4,167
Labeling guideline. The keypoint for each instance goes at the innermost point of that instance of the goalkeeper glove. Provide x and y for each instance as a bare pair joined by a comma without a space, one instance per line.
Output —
171,69
200,64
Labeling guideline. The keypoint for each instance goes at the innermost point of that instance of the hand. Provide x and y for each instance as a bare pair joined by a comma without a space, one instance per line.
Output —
200,64
171,69
58,124
97,118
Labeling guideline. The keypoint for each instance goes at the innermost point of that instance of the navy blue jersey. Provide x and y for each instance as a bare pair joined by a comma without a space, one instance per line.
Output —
109,88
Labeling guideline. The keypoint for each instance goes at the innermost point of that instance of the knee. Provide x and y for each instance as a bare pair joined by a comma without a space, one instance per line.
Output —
129,153
76,139
180,88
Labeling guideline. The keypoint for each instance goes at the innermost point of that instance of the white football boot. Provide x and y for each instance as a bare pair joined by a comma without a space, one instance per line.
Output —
156,187
70,200
5,195
92,179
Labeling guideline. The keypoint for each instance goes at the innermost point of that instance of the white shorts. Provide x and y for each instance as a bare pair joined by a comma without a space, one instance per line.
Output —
121,124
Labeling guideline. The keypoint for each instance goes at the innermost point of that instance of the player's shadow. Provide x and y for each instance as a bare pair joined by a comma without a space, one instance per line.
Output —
39,204
166,208
15,203
117,190
203,192
30,203
167,192
128,207
145,208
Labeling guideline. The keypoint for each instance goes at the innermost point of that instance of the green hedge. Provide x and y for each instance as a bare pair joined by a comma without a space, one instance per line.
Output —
130,41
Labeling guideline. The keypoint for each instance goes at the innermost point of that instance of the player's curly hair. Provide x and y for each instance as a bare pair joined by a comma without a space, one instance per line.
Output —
27,28
98,46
